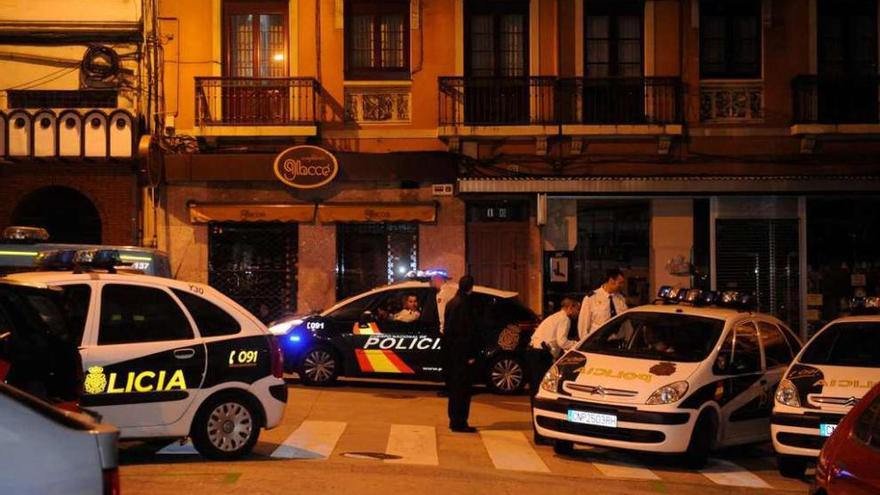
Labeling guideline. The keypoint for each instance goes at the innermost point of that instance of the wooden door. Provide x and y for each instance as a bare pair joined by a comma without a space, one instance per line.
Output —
498,255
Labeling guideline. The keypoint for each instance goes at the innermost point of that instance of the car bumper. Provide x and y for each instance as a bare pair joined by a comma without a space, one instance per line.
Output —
798,434
644,430
272,398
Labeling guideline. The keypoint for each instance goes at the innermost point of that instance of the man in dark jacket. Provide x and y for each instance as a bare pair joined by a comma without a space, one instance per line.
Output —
462,341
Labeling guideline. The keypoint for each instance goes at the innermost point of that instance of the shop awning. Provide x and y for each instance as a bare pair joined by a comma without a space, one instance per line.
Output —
378,212
226,212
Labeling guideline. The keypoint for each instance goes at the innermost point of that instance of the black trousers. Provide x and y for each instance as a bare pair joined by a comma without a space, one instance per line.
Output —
539,361
458,380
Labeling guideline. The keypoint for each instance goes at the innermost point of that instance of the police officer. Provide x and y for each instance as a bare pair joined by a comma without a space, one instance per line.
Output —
462,342
602,304
550,340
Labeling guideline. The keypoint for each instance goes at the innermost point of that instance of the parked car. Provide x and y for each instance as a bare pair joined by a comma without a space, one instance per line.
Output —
849,463
46,451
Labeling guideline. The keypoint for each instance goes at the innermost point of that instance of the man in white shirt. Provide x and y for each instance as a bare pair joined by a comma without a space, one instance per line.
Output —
602,304
549,341
410,311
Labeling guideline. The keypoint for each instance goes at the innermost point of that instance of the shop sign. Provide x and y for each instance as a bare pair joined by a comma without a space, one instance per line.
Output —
306,167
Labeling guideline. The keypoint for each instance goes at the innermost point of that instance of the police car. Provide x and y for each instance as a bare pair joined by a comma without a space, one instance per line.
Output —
165,358
684,376
835,369
394,332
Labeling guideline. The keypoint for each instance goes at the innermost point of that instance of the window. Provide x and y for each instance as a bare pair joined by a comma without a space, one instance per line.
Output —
135,314
89,98
497,39
352,311
210,320
867,427
846,344
76,305
374,254
776,350
377,39
741,353
613,39
730,39
255,39
848,37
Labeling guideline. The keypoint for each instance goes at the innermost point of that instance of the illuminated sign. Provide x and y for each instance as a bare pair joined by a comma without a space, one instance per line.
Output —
305,167
244,358
402,343
97,382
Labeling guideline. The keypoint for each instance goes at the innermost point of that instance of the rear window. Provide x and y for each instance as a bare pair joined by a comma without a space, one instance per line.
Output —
495,313
854,344
210,319
867,427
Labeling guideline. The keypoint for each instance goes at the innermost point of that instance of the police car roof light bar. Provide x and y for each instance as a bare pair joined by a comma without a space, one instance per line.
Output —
699,297
79,261
865,305
25,235
425,275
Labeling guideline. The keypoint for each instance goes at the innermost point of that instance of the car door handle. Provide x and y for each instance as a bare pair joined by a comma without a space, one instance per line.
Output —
184,353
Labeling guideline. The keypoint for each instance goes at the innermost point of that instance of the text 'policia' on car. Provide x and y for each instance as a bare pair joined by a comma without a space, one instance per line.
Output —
394,332
693,372
165,358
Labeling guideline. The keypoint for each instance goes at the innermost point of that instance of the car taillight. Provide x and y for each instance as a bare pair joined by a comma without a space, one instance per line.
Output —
277,358
111,482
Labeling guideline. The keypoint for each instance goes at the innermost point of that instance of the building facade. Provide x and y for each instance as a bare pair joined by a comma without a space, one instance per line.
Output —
75,95
715,143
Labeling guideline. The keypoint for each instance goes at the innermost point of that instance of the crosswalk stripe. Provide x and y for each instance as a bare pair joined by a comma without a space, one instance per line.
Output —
312,440
621,470
729,474
512,451
414,444
175,448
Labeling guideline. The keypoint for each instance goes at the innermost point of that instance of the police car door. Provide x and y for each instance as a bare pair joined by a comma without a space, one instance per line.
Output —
745,397
778,354
143,362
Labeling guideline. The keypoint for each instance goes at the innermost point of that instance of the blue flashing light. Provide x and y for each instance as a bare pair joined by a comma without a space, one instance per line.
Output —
295,338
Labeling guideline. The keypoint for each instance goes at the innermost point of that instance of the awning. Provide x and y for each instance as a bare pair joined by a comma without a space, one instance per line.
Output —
225,212
377,212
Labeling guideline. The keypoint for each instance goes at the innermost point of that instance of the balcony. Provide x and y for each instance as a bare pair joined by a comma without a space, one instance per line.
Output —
246,106
836,104
495,105
732,102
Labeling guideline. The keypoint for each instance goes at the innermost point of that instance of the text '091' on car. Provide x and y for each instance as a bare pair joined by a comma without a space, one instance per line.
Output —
693,372
166,358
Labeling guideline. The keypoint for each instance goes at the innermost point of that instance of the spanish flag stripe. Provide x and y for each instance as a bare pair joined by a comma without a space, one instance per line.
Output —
363,361
395,359
380,362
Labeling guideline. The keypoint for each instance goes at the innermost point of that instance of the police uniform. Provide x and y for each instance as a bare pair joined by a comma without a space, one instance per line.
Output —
548,342
407,316
444,295
598,307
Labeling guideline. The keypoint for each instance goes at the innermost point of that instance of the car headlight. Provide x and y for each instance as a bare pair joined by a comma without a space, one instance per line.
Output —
283,327
668,394
787,394
551,380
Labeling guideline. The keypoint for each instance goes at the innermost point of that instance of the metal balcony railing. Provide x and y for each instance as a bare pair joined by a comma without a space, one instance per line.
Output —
497,101
836,99
253,101
617,101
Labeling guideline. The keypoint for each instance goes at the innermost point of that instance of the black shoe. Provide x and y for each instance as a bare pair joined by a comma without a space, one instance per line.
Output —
463,429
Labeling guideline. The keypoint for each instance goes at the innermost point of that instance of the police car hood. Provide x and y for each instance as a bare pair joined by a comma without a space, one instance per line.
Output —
833,388
610,378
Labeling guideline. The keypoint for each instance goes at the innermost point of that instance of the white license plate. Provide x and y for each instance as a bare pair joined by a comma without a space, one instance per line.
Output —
590,418
826,429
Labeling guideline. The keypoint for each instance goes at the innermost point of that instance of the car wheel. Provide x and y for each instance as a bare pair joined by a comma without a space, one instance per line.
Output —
506,374
319,367
791,467
226,427
700,445
563,447
540,439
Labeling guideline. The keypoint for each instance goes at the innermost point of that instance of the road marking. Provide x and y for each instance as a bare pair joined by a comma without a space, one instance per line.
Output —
175,448
621,470
729,474
312,440
511,450
414,444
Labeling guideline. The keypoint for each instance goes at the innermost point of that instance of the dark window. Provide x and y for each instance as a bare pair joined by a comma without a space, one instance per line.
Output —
255,265
730,39
76,305
210,320
846,344
776,349
352,311
255,38
377,39
497,39
370,255
134,314
792,340
89,98
613,39
848,37
741,352
867,428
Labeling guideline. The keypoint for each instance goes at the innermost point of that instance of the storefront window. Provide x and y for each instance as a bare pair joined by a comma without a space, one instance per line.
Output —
374,254
255,265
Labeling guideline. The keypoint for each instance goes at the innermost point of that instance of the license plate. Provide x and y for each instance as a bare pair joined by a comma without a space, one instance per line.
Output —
590,418
826,429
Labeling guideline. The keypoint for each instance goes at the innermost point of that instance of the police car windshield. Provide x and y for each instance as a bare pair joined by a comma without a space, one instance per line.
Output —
657,336
846,344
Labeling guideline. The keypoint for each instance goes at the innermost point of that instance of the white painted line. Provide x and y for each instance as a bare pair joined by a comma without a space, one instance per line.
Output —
621,470
177,449
511,450
729,474
414,444
312,440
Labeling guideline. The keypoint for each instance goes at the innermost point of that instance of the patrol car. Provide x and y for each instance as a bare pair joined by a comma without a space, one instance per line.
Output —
682,376
832,373
364,336
165,358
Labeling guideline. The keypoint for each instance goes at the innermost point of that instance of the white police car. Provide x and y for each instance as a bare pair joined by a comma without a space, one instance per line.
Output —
165,358
831,374
683,376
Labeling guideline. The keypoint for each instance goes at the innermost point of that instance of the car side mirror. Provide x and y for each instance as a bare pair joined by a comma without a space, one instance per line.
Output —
366,317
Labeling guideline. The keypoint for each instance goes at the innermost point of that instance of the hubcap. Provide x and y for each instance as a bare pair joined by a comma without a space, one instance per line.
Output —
319,366
230,426
507,375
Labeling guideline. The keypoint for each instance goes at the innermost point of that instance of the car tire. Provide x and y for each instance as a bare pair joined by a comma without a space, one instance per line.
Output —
791,467
701,442
319,367
506,374
226,427
563,447
540,439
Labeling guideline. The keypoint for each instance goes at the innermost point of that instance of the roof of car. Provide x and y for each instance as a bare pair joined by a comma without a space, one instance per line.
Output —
857,319
49,278
716,312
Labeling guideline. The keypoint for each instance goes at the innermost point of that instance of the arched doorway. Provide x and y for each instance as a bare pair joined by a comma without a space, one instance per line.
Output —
68,215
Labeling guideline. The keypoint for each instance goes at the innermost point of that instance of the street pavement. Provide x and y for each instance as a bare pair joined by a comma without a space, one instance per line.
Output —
389,438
